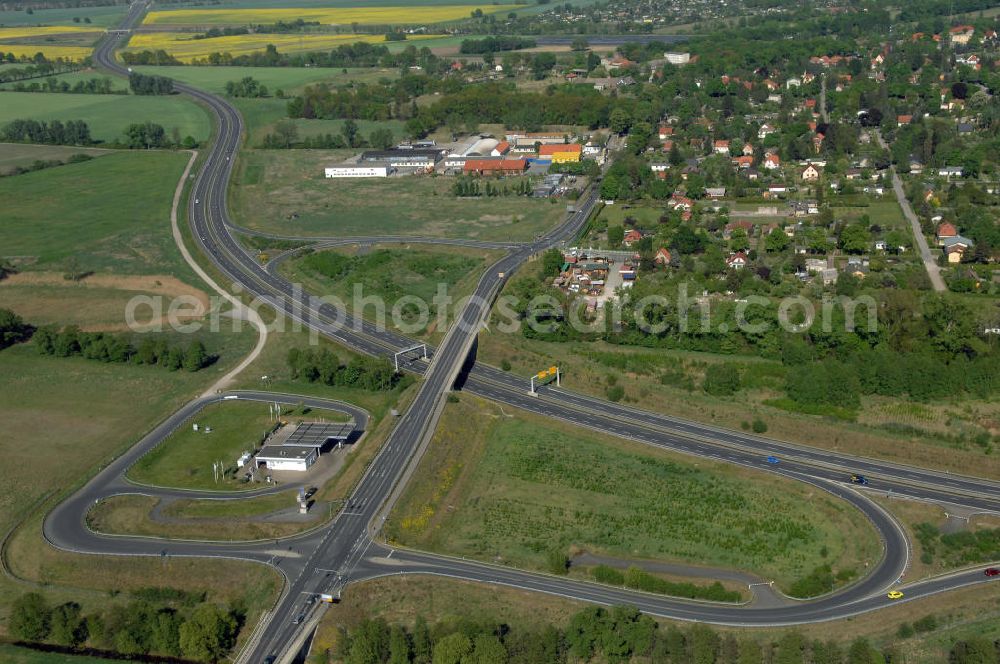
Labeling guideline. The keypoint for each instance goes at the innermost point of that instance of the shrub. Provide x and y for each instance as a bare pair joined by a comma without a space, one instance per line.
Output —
615,393
608,575
722,380
759,425
817,582
557,562
926,624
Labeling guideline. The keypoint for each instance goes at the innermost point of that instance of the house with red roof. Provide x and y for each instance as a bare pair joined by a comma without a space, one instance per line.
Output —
946,231
631,237
495,166
737,261
662,256
721,147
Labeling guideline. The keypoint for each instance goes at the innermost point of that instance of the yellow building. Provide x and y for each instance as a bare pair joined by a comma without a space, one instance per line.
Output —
561,153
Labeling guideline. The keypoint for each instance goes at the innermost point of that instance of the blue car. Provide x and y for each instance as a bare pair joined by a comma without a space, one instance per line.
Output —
859,479
772,459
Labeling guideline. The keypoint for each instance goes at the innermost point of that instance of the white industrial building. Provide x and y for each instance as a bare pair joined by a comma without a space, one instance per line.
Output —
287,457
297,447
677,58
358,171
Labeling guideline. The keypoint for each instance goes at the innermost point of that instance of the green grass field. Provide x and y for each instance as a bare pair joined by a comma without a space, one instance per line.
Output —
289,79
111,214
108,115
100,17
390,274
275,184
18,154
184,460
514,489
77,413
261,115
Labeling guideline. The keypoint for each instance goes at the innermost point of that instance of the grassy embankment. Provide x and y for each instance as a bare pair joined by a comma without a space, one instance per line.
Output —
513,490
390,274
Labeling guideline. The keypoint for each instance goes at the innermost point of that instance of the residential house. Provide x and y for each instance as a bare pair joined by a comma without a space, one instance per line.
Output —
961,34
772,162
810,173
662,256
632,236
765,130
501,149
743,162
559,154
716,193
955,248
946,231
903,120
951,171
737,261
665,132
721,147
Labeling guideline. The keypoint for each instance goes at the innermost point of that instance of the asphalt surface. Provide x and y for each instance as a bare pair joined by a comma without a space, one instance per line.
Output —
329,558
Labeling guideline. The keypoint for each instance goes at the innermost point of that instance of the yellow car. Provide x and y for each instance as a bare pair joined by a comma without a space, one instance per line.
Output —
894,594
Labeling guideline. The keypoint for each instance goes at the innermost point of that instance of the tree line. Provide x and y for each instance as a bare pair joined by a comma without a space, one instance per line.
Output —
54,132
144,84
466,186
323,366
42,164
247,86
616,635
494,102
91,86
9,75
13,329
155,622
70,341
494,44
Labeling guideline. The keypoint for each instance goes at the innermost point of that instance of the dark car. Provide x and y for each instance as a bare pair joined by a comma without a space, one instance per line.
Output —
270,659
992,571
859,479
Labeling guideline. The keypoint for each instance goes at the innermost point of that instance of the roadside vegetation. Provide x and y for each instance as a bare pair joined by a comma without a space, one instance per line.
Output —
389,275
531,493
918,633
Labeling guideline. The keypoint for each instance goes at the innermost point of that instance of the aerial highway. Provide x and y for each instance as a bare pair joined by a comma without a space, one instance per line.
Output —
347,549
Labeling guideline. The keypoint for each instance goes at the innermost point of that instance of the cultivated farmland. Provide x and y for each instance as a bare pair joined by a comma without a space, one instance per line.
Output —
46,31
182,46
51,52
326,16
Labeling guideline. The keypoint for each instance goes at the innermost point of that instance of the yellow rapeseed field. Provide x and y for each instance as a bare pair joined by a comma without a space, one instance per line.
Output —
184,48
44,31
325,16
74,53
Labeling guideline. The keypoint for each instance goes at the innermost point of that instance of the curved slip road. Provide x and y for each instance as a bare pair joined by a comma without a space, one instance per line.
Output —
346,552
